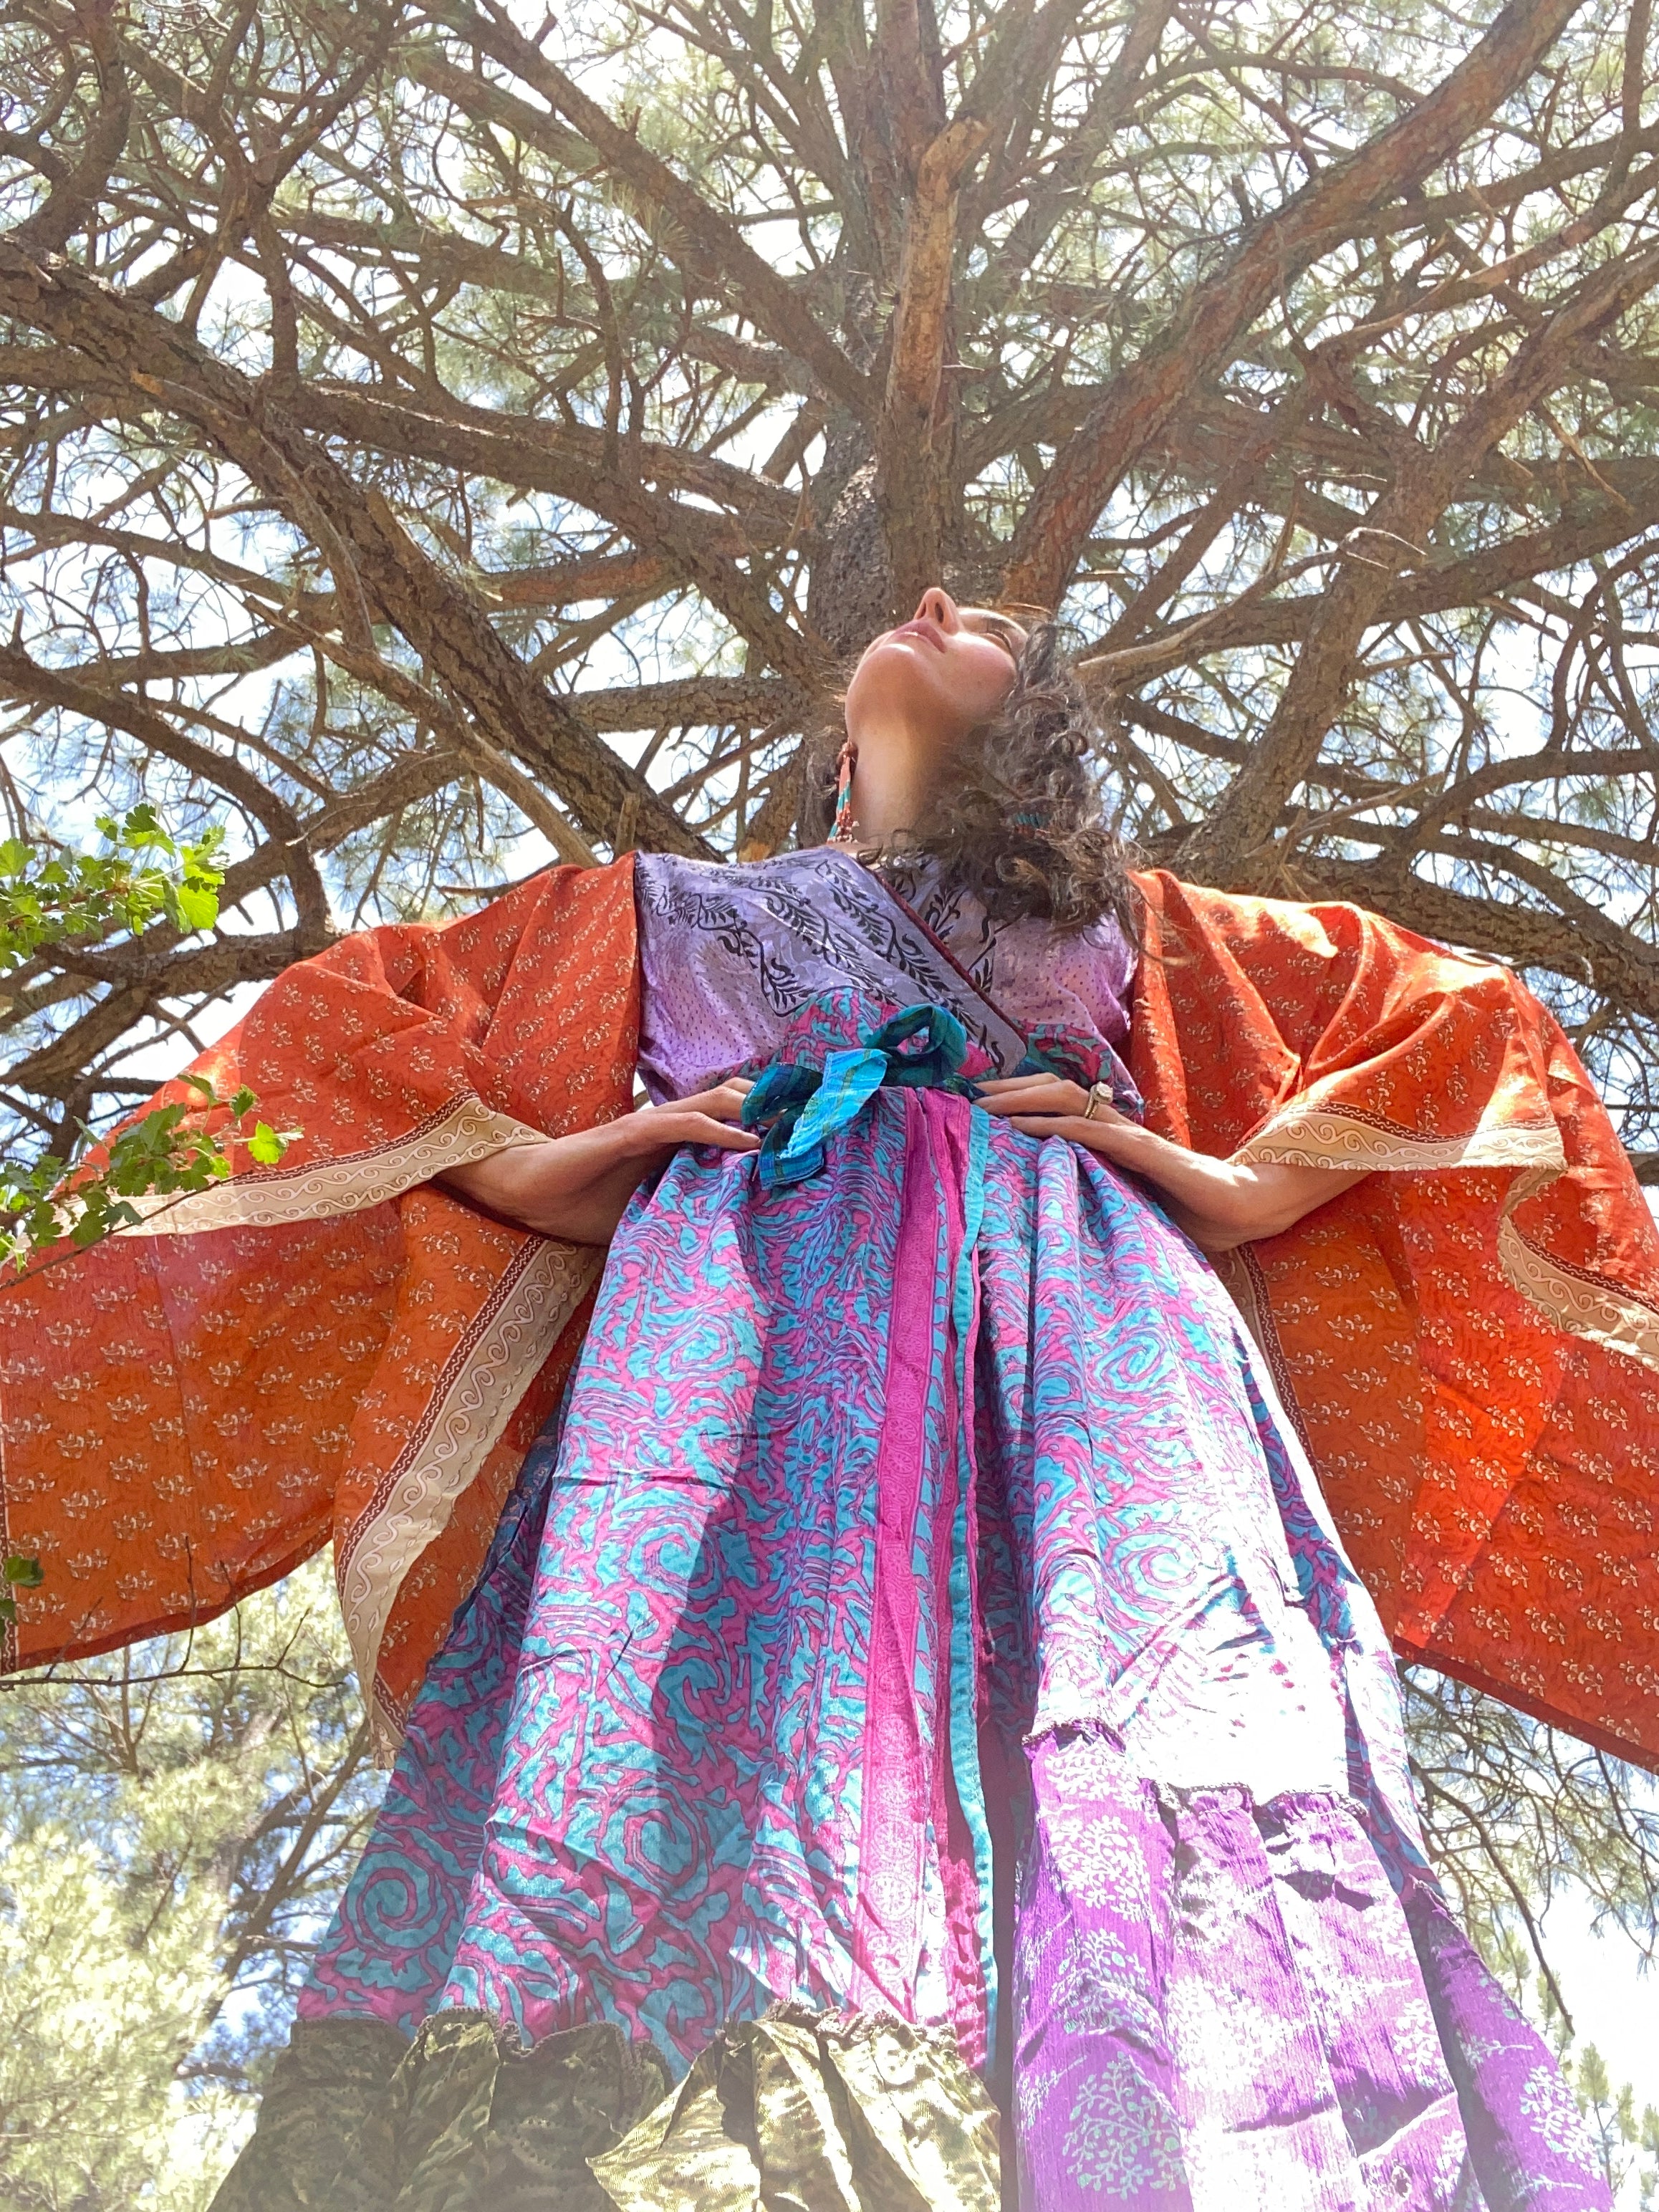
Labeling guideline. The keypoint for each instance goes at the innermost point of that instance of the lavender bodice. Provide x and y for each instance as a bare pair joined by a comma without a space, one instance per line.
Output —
728,954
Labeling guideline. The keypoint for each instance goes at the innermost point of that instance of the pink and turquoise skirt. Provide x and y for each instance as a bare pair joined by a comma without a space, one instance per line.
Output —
917,1741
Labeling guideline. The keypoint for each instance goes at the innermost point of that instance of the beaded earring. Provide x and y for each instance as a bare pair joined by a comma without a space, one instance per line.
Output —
841,833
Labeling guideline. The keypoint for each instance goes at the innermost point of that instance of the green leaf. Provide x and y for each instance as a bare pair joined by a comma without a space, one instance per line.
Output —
23,1573
143,827
47,896
158,1155
198,907
264,1146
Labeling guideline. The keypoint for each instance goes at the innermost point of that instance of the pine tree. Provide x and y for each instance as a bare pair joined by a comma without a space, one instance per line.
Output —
175,1823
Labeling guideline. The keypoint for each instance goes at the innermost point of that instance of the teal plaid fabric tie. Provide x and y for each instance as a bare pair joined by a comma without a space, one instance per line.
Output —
800,1108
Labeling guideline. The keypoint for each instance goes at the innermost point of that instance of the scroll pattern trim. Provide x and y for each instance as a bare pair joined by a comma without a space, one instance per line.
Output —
454,1138
1305,1137
1582,1303
472,1406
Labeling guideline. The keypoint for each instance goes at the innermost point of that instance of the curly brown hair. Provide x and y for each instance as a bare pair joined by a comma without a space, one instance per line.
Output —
1022,823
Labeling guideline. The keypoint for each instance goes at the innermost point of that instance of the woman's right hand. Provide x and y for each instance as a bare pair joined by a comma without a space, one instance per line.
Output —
578,1186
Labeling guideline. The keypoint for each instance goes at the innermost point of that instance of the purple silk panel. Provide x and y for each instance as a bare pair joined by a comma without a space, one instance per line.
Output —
731,954
908,1791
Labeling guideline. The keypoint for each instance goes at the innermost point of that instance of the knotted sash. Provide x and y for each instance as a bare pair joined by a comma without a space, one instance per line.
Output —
800,1106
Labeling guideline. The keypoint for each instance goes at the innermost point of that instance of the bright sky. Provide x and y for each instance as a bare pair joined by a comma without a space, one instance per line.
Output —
1612,2005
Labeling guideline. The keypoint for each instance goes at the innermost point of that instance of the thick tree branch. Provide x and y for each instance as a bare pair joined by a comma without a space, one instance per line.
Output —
915,438
1596,951
1061,183
692,548
77,192
198,974
1399,523
740,702
1206,329
763,294
567,459
356,531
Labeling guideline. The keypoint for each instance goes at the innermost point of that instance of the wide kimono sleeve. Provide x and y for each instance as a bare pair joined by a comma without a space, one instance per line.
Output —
1468,1338
334,1347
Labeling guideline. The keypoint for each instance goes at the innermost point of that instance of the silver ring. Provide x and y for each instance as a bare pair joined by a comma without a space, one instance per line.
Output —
1100,1094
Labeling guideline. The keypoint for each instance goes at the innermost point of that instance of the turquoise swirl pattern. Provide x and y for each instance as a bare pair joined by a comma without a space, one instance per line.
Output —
920,1609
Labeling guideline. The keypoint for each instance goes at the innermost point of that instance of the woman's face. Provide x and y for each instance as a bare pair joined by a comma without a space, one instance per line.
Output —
946,670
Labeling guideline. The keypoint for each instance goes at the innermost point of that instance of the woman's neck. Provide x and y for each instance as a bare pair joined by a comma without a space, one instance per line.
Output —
892,784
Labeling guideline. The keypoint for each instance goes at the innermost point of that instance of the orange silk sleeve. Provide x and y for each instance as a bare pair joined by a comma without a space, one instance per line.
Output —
334,1347
1469,1338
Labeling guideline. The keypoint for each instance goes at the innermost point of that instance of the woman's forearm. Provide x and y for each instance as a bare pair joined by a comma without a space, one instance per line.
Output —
1220,1203
574,1188
497,1183
577,1187
1223,1202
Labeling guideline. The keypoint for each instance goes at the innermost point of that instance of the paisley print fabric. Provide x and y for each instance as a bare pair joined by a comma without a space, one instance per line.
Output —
1220,2002
922,1611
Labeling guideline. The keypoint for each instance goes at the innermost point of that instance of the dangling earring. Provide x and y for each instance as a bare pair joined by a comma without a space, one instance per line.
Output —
841,833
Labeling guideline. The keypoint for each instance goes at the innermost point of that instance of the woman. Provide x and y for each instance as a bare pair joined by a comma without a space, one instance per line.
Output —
907,1733
915,1673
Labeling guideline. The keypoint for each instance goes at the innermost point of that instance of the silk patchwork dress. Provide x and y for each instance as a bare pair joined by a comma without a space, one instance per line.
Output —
918,1739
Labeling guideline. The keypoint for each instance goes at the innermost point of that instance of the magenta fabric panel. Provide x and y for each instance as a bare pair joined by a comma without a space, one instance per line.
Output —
903,1794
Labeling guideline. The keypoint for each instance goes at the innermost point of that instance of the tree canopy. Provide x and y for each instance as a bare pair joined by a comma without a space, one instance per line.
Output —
424,424
176,1821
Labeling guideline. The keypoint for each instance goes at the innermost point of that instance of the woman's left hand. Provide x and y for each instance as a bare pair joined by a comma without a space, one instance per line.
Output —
1044,1101
1220,1203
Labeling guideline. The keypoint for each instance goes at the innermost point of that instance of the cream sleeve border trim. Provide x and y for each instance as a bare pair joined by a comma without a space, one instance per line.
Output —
475,1398
1306,1137
1582,1303
454,1138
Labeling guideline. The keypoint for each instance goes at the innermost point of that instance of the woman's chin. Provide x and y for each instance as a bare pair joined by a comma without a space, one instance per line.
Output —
905,678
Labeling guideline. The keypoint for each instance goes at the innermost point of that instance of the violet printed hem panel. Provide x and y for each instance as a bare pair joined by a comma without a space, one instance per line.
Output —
730,955
915,1522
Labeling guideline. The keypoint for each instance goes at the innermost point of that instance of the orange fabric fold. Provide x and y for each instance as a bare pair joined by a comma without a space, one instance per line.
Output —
1468,1338
334,1347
